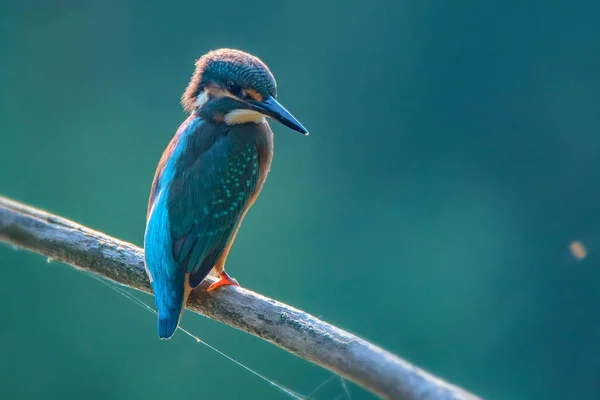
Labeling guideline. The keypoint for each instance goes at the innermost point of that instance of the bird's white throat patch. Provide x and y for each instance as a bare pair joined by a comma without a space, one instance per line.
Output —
242,116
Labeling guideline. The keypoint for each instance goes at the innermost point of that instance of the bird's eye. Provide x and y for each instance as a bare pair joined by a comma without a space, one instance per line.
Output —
234,88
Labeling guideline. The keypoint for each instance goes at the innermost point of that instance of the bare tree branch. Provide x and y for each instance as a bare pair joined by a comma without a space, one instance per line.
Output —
293,330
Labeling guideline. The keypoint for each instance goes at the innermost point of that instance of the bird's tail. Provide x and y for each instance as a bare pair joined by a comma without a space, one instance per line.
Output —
170,308
168,320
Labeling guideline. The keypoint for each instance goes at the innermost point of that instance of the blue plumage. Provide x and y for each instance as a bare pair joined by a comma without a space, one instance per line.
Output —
201,194
166,274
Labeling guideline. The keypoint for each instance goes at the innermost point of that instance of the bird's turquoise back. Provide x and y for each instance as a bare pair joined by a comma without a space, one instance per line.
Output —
205,181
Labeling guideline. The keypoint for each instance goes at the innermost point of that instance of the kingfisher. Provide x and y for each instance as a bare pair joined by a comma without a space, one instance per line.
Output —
208,177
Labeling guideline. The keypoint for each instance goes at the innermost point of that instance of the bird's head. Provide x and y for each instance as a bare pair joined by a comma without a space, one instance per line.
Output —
235,88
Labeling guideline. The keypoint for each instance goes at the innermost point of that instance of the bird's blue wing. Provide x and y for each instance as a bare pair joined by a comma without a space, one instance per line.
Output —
207,199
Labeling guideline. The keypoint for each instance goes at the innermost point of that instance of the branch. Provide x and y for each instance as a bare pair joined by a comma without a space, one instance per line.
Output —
293,330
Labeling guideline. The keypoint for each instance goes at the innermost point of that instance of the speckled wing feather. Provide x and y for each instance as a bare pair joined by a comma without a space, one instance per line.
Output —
206,202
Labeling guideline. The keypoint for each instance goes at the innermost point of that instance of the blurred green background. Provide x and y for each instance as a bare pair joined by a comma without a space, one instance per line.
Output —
453,157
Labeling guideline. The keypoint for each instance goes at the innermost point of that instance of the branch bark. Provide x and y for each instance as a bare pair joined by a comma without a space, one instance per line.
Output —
297,332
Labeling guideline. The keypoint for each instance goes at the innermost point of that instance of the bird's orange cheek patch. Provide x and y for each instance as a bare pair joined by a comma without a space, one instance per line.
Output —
254,94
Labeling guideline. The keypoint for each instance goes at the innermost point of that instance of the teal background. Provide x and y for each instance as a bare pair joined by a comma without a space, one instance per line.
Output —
453,157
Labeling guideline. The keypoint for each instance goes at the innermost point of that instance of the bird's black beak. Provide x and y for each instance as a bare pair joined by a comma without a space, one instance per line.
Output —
271,108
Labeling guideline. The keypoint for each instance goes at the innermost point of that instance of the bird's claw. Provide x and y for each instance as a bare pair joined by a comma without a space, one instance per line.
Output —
225,280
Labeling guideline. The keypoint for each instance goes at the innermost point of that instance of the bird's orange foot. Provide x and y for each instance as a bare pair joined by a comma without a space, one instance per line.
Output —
225,280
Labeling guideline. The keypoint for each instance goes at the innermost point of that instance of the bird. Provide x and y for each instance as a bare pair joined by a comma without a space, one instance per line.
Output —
208,177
